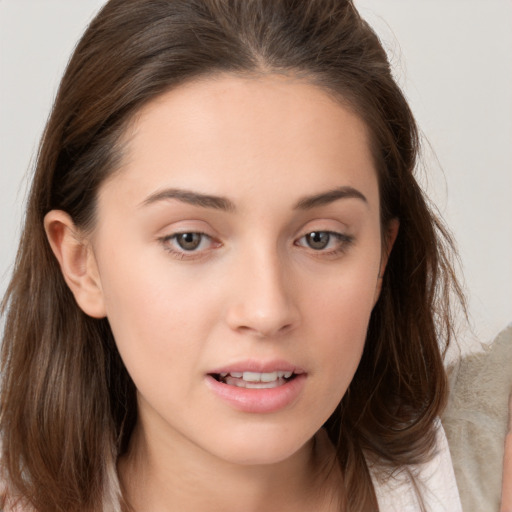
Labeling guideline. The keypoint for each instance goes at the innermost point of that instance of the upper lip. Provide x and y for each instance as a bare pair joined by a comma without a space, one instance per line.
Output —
252,365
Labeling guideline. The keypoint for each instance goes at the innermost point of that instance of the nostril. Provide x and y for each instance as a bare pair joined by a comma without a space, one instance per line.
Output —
263,322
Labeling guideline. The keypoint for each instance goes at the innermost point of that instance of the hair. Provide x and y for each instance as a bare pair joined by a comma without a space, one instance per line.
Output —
68,405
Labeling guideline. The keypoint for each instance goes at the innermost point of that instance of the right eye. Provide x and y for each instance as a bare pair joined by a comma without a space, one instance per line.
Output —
190,242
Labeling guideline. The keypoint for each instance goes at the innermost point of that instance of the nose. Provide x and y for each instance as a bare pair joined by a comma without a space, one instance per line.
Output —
265,302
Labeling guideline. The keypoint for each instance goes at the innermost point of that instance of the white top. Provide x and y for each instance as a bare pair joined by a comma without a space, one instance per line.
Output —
435,480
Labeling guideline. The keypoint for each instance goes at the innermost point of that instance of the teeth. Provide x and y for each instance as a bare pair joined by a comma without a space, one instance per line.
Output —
257,376
255,380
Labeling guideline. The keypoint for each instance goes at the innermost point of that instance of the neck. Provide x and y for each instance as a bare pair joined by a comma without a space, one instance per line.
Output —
158,478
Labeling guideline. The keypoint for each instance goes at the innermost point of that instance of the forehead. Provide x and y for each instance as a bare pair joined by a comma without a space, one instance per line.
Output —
231,134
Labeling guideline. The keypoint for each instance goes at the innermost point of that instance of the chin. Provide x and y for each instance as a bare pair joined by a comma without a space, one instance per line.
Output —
260,446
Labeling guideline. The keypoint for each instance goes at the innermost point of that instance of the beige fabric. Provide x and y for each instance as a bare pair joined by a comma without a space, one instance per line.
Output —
475,422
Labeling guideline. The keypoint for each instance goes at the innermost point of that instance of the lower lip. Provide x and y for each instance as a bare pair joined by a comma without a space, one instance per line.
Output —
259,401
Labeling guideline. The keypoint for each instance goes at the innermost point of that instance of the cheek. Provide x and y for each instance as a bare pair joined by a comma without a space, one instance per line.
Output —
153,316
339,315
345,301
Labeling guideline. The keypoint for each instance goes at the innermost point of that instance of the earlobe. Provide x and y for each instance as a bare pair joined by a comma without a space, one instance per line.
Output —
77,262
389,236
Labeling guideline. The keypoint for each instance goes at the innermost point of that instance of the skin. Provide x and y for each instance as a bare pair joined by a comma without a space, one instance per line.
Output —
254,289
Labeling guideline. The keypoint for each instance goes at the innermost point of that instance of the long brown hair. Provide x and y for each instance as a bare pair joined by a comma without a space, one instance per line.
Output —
67,403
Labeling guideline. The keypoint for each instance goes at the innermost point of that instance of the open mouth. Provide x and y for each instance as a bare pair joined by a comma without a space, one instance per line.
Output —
255,380
247,388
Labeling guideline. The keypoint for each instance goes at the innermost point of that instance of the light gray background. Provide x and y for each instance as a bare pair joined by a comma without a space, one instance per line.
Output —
452,57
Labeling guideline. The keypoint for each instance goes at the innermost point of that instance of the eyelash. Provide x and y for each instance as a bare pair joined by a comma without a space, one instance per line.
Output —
343,242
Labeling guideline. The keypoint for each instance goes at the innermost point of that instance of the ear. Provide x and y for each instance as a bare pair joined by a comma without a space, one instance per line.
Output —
77,262
389,236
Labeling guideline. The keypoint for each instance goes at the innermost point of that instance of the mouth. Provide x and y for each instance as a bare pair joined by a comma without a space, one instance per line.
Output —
255,380
258,387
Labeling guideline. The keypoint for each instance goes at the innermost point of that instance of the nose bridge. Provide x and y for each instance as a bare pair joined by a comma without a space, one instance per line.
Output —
264,303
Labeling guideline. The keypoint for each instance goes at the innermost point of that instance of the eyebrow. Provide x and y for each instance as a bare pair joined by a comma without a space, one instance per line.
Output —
307,203
193,198
224,204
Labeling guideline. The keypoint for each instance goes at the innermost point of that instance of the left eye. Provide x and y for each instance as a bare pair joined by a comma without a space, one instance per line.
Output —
321,240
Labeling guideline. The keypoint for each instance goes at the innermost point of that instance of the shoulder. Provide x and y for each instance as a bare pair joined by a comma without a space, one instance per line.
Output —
433,480
8,504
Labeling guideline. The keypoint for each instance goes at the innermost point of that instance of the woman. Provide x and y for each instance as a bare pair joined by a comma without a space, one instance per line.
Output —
230,291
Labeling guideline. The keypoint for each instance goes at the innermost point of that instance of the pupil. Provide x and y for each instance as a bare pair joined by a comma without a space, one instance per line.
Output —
318,239
189,241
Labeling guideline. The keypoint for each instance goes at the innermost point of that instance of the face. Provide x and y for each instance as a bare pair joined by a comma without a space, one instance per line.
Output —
238,253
